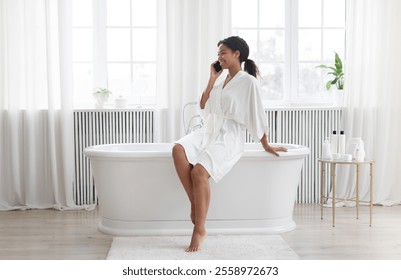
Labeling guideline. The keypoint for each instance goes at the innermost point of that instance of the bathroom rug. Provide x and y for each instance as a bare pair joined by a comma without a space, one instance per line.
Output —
218,247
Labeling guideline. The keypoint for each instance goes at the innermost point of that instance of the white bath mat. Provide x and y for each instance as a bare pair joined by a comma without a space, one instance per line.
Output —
234,247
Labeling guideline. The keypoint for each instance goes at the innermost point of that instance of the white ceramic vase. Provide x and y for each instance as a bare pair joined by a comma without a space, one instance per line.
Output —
100,99
358,149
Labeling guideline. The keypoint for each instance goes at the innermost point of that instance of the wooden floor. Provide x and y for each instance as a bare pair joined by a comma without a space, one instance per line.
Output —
50,234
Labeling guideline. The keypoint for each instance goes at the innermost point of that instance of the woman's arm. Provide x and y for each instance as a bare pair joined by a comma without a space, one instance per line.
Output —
212,79
206,92
270,149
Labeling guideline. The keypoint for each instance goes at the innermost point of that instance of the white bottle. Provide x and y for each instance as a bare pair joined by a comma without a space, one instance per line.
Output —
359,149
359,154
341,143
334,143
326,153
355,154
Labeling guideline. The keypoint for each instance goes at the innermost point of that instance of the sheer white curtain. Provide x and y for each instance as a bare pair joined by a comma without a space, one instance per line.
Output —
373,94
188,37
36,142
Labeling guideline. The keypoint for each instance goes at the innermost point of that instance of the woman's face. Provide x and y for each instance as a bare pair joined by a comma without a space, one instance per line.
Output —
227,57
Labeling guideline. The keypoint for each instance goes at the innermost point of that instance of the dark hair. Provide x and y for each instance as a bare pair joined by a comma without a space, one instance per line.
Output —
236,43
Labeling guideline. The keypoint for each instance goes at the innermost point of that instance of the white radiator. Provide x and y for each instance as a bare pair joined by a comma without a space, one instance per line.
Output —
95,127
307,127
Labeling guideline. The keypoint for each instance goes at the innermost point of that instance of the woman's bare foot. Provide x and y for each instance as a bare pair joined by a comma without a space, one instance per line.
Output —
198,236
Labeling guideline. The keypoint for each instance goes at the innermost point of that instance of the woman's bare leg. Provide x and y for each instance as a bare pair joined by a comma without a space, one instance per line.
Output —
201,193
184,168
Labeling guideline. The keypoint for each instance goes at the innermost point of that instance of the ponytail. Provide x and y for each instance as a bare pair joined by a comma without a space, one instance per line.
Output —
236,43
251,67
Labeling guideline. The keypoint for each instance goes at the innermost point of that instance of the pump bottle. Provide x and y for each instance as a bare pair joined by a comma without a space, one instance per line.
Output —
334,143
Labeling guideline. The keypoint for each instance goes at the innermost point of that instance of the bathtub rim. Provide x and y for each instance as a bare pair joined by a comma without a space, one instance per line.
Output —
252,150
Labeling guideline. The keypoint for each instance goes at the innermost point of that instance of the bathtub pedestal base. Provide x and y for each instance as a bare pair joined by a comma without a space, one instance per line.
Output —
228,227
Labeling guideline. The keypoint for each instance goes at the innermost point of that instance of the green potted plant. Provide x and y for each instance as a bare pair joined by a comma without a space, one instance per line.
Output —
337,73
101,96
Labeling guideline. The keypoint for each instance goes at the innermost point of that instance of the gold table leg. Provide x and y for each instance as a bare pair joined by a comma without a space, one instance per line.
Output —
333,183
357,191
371,193
322,180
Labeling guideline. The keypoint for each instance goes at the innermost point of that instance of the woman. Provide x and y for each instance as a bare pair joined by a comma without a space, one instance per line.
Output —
230,106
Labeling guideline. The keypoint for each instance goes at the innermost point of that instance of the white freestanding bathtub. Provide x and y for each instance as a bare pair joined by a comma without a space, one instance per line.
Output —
140,194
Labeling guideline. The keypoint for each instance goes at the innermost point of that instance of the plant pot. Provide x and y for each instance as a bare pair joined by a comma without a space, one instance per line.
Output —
100,99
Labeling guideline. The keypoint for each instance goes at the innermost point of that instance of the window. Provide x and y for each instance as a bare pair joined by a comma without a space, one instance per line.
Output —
288,39
114,47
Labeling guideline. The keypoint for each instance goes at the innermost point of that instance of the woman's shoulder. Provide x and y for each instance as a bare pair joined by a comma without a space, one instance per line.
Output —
245,77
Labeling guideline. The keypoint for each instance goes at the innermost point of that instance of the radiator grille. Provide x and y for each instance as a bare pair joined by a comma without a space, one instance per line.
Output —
308,127
105,127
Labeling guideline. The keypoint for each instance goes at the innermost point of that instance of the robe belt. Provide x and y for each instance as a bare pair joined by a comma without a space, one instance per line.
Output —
213,125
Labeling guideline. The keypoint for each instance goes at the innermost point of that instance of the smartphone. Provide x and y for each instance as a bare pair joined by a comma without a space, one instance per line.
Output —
217,66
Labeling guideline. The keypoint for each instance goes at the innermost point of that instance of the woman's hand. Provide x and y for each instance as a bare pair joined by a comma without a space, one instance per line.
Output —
274,150
213,73
270,149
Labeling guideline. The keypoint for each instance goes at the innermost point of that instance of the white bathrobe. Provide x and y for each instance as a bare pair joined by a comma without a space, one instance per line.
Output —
229,111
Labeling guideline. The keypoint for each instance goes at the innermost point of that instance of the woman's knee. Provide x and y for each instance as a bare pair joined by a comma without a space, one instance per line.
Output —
199,173
177,151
